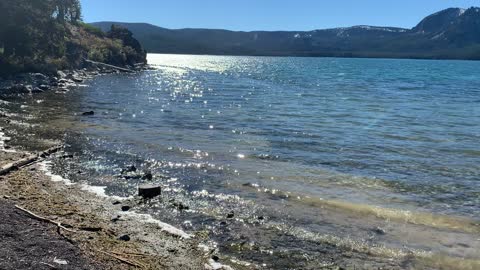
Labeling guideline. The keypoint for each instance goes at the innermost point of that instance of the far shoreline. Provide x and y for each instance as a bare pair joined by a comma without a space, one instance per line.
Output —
325,57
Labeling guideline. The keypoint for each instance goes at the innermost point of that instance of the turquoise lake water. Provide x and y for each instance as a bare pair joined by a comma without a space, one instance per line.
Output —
352,152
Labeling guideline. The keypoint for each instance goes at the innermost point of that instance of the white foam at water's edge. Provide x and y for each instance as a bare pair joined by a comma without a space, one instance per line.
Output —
3,138
100,191
46,166
146,218
213,265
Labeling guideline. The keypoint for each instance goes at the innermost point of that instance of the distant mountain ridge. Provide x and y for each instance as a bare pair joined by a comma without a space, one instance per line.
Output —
453,33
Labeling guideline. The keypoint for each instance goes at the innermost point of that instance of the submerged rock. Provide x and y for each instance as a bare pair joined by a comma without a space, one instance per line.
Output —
44,87
88,113
67,156
129,169
77,79
180,206
379,231
21,88
62,90
39,76
36,90
147,176
132,176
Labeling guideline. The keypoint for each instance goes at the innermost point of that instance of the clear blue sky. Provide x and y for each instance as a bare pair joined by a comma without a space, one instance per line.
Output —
267,14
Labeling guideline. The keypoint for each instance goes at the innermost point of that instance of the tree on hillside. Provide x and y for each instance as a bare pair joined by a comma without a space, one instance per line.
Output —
34,27
138,55
122,33
45,35
67,10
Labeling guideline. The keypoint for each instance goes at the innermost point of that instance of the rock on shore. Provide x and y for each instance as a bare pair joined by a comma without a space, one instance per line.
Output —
62,81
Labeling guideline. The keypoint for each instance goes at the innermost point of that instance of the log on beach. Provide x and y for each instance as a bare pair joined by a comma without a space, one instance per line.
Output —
28,160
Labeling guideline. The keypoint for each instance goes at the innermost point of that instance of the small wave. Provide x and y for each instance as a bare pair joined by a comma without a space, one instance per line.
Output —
442,262
421,259
346,242
418,218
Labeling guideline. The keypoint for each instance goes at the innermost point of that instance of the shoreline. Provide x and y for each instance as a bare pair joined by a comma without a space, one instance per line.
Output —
99,227
63,80
110,238
104,234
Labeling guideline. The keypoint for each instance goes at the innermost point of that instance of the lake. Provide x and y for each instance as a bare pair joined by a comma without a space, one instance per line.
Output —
285,162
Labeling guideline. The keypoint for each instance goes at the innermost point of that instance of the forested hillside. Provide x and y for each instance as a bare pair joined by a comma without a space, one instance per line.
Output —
449,34
47,35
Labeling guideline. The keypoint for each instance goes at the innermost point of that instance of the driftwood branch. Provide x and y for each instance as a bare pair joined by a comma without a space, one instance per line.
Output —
122,259
132,254
109,66
28,160
47,264
58,224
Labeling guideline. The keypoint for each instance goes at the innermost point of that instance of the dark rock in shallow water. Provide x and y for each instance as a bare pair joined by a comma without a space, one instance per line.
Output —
180,206
39,76
21,88
36,90
379,230
88,113
62,90
129,169
132,176
44,87
124,238
125,208
77,79
149,191
147,176
67,156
